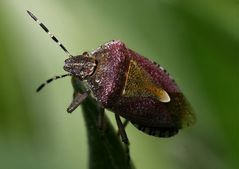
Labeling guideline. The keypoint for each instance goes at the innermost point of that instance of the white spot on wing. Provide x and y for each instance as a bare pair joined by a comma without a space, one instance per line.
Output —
165,97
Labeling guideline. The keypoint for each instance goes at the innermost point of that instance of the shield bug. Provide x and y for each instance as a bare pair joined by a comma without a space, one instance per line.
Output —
129,85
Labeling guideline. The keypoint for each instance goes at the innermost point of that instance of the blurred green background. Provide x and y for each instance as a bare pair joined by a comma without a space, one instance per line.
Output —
196,41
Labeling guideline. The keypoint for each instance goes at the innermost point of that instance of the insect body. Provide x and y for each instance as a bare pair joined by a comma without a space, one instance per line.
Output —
129,85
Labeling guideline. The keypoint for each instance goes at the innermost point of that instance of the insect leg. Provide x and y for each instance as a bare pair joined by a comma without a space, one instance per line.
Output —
121,129
77,100
123,134
125,123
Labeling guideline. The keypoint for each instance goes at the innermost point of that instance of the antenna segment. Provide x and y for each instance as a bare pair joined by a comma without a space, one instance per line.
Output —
49,33
50,80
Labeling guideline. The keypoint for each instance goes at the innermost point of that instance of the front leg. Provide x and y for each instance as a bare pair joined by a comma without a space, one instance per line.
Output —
77,100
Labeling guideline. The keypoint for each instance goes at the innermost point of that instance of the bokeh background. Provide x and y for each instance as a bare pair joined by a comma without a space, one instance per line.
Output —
196,41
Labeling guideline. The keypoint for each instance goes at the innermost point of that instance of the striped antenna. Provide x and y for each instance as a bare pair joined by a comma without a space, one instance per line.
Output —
49,33
50,80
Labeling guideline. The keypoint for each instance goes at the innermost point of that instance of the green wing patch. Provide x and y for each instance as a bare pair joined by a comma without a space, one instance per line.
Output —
139,84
